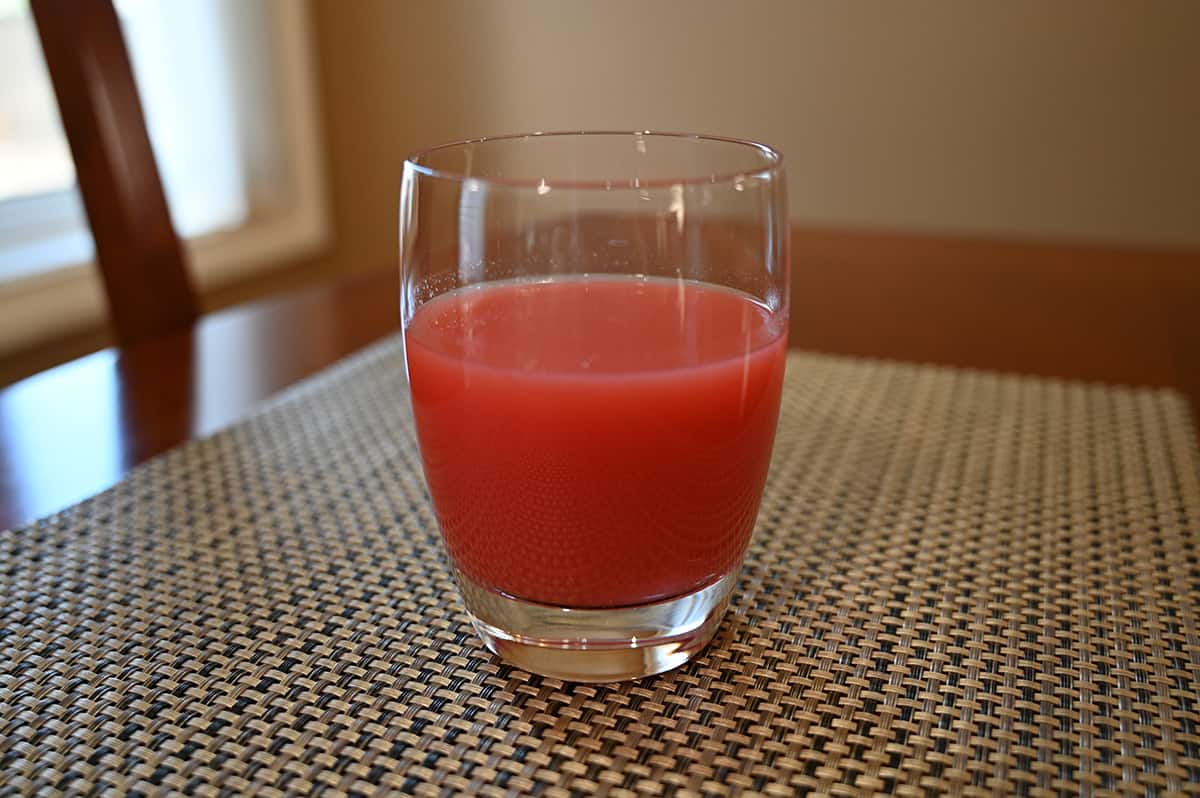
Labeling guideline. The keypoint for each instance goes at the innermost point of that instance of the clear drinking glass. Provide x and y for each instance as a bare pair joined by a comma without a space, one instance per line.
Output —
595,327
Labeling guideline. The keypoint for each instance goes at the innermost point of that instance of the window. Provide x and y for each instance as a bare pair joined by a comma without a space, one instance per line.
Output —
226,91
41,220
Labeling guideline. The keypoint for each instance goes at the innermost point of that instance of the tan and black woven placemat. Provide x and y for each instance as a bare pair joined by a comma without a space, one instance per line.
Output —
960,583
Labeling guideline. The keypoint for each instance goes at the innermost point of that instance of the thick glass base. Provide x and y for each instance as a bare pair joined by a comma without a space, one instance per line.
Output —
597,645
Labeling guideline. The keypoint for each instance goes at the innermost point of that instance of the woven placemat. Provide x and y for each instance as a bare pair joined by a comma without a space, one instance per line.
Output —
960,582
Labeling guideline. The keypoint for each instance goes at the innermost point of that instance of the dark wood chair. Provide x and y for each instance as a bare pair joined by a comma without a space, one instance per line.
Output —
140,257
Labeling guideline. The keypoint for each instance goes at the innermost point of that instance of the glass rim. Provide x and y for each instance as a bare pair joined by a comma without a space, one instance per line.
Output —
773,162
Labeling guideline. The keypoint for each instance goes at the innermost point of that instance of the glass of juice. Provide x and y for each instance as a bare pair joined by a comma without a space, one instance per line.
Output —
595,327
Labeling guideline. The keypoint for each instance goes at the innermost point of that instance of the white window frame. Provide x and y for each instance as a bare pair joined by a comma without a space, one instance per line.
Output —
70,299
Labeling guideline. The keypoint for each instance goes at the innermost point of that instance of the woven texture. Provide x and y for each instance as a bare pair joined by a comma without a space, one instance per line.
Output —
960,582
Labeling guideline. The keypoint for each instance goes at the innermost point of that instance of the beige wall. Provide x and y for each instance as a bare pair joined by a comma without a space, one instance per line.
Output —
1074,119
1068,119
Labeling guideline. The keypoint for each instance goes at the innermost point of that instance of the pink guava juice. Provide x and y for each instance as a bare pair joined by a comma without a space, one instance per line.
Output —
595,441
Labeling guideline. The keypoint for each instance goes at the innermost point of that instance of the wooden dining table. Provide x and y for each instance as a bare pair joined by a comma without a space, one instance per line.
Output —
1113,314
961,580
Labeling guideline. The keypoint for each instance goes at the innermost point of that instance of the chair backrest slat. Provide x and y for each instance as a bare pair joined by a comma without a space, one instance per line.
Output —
140,257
